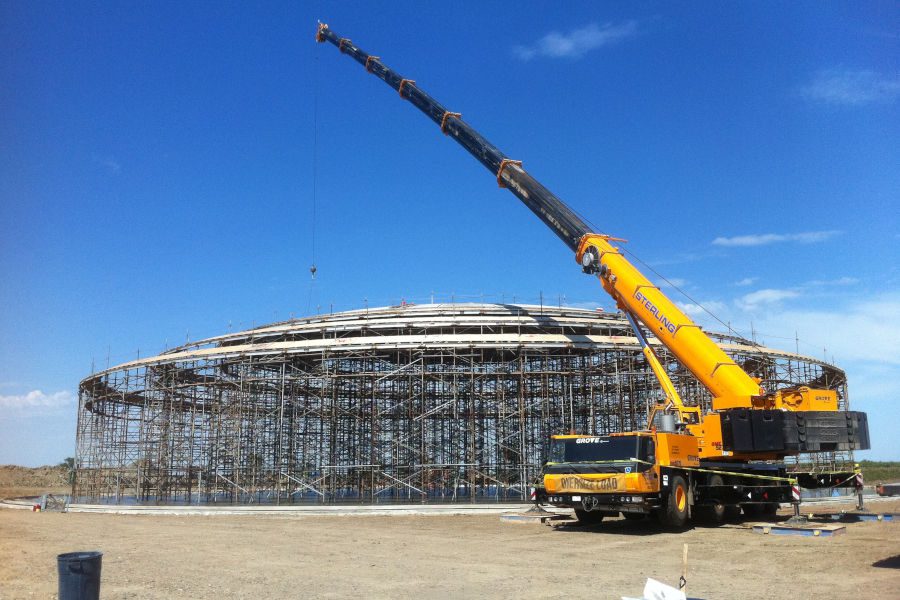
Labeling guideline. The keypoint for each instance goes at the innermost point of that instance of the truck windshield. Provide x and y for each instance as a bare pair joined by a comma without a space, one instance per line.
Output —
601,449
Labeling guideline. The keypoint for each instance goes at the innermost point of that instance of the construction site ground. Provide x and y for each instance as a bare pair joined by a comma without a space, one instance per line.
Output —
439,556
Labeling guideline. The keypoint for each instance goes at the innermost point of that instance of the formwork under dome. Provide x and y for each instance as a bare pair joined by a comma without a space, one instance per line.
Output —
429,403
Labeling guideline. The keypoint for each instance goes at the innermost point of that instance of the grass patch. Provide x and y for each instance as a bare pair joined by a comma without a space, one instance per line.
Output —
880,471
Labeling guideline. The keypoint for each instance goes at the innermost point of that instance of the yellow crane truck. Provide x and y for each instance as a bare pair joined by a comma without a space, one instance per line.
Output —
687,462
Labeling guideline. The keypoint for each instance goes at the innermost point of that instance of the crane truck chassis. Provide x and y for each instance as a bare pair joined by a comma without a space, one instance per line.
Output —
715,463
658,473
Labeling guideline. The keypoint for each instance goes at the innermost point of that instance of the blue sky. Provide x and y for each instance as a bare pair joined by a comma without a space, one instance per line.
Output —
156,165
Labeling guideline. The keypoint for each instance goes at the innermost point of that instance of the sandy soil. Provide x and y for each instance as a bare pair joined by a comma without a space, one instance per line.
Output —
437,557
16,481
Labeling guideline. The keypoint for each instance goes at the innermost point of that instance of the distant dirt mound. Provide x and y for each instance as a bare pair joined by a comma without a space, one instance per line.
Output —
32,481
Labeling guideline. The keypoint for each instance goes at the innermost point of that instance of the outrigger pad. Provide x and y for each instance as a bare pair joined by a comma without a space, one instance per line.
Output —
752,430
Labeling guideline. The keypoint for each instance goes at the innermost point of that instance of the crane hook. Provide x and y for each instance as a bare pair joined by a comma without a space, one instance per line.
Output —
312,271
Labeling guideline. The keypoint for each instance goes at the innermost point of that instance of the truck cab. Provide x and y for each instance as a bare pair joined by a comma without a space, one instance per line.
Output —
635,474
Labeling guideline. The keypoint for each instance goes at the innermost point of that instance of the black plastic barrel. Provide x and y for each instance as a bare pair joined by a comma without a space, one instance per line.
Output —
79,575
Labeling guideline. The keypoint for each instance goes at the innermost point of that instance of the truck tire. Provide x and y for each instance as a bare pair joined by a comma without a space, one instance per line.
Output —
712,514
675,513
588,517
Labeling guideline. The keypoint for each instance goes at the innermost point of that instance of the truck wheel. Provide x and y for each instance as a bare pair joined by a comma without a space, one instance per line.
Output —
712,514
588,518
675,513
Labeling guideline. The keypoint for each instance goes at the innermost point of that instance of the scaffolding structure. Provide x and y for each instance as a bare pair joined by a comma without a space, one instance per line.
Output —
428,403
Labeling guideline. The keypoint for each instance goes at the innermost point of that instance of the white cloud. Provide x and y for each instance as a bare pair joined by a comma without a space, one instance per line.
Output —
852,87
673,282
108,163
863,331
577,42
765,296
833,282
681,258
808,237
746,281
859,329
696,310
38,399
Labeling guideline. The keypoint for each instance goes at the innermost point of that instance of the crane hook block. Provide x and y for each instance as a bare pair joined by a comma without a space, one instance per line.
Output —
312,271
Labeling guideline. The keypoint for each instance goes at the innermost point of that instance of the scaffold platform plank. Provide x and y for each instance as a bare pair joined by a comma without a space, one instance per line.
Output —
531,517
804,530
854,517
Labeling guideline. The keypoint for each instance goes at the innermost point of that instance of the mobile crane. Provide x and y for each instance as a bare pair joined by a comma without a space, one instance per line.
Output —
712,464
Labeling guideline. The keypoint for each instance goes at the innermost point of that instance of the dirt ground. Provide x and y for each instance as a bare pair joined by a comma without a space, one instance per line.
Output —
18,481
437,557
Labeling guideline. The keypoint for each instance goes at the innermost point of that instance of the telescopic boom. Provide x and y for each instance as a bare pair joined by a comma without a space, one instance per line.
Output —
729,384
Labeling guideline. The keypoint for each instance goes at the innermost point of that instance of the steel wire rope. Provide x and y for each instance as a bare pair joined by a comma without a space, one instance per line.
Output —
315,180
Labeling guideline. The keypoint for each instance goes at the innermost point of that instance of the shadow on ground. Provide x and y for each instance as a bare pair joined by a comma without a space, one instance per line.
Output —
892,562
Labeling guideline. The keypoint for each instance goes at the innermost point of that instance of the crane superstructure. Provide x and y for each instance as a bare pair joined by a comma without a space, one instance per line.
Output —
746,422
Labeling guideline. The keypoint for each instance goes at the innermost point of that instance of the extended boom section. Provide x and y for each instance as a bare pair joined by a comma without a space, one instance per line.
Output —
550,209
